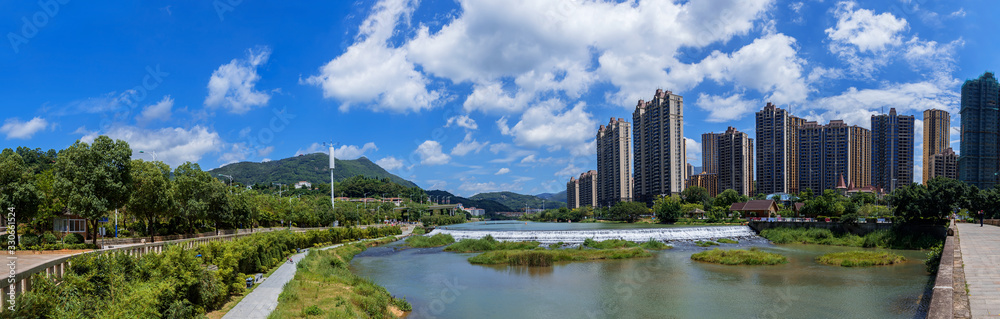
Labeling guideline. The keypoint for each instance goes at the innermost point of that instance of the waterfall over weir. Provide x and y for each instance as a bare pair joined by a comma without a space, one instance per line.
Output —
578,236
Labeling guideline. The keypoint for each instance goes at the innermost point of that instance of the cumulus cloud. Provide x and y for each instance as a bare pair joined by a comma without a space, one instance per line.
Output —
769,65
372,72
864,29
160,111
693,150
548,124
172,145
350,152
502,171
390,163
462,121
430,153
16,129
232,85
467,145
726,109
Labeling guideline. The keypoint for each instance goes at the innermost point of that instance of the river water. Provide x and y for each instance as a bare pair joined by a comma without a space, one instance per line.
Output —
668,285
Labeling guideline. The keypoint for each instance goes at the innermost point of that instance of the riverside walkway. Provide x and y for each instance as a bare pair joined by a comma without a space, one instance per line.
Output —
981,256
264,299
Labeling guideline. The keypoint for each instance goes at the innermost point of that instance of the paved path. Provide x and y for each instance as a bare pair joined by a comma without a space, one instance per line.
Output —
264,299
981,255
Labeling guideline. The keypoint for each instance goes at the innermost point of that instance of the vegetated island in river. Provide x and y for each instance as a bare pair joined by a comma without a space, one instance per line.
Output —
753,256
860,258
530,253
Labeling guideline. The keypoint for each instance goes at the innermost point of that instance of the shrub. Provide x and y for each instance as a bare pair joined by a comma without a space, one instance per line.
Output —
727,241
50,238
29,240
312,311
933,258
71,239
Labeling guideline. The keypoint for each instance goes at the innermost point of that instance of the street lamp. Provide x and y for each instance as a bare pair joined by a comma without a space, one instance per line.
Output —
230,180
333,163
151,153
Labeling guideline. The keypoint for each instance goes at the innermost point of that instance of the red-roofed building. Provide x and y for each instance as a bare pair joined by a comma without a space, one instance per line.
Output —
755,208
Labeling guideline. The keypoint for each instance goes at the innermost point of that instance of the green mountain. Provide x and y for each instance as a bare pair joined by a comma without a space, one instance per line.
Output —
559,197
488,205
518,201
313,168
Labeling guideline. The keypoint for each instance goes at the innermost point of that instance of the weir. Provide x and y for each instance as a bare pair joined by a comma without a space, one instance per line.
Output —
578,236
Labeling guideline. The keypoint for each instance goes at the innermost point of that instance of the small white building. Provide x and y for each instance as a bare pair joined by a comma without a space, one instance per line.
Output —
475,211
302,184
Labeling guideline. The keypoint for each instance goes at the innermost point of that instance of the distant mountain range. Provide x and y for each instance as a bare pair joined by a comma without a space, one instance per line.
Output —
488,205
313,168
559,197
518,201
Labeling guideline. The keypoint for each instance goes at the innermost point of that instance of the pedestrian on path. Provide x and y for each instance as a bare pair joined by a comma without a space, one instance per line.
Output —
980,218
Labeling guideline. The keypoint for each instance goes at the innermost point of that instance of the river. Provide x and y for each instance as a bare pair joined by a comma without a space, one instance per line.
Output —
668,285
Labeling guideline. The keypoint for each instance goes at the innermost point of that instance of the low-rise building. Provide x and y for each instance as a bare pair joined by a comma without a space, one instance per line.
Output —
755,208
304,184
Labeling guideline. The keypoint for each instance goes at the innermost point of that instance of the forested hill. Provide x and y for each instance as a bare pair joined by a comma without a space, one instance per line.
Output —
518,201
313,168
489,206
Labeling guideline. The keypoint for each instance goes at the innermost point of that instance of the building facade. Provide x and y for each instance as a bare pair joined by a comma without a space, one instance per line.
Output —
735,151
614,162
710,152
659,151
944,164
937,138
892,151
777,150
690,170
978,160
573,193
706,180
588,189
827,152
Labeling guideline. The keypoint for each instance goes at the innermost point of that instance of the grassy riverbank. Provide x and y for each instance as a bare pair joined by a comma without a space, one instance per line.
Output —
547,257
488,243
325,287
820,236
432,241
740,257
860,258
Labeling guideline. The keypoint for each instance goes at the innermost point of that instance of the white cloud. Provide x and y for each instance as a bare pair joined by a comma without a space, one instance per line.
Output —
958,14
693,151
469,188
864,29
502,171
769,65
350,152
930,55
462,121
528,159
373,73
16,129
313,148
856,106
430,153
159,111
545,124
172,145
390,163
570,170
467,145
232,85
726,109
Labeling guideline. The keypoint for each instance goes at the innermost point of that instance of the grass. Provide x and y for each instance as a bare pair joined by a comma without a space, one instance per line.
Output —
821,236
860,258
419,230
653,244
556,245
608,244
488,243
324,286
432,241
727,241
547,257
706,243
740,257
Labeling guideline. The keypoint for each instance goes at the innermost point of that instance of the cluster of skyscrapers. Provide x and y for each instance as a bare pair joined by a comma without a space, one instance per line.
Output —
792,154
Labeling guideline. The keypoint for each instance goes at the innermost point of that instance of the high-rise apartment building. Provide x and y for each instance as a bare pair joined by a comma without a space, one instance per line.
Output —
777,150
573,193
708,181
588,188
658,132
735,150
892,151
978,159
944,164
690,170
827,152
710,152
614,163
937,138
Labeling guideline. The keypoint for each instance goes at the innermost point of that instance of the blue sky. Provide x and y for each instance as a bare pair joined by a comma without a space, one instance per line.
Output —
466,96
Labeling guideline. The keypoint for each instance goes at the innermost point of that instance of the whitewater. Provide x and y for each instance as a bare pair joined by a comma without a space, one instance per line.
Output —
578,236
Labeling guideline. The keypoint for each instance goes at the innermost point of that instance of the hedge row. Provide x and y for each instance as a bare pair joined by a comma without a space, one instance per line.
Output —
176,283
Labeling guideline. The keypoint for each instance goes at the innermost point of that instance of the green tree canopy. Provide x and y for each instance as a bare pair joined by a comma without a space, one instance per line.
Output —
667,209
18,194
151,199
697,195
94,179
728,197
628,211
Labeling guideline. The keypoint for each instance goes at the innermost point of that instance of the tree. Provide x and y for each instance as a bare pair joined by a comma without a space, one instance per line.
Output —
94,179
628,211
728,197
191,189
908,202
697,195
150,198
18,194
946,195
667,209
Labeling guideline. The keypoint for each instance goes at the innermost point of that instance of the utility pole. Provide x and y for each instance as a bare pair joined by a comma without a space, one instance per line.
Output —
333,164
